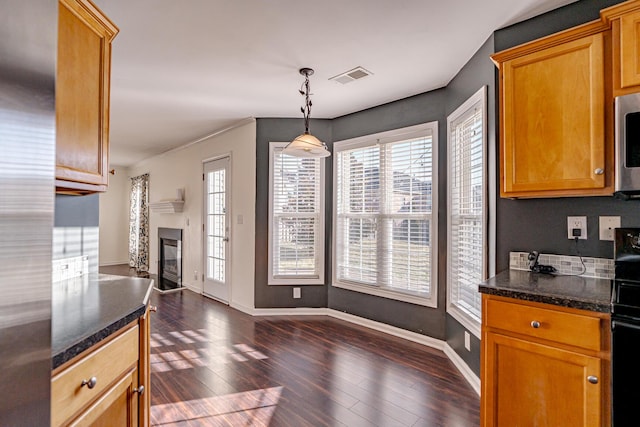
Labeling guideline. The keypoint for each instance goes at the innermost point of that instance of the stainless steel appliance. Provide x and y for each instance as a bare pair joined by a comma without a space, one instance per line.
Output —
625,328
627,146
28,38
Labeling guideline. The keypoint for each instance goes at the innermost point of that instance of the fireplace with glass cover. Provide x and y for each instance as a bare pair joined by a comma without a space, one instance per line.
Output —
169,259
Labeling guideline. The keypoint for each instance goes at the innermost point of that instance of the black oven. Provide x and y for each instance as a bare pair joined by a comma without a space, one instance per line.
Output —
625,329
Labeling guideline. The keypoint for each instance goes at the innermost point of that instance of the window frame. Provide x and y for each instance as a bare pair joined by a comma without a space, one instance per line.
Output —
396,135
461,315
320,231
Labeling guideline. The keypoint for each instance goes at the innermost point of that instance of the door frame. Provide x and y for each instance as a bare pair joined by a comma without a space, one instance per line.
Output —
203,240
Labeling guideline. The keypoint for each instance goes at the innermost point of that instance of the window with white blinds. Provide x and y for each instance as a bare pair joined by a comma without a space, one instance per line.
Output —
296,207
467,211
384,225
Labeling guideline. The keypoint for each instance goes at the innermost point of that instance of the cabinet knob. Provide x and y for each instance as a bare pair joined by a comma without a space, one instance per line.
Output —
592,379
535,324
139,390
598,171
91,382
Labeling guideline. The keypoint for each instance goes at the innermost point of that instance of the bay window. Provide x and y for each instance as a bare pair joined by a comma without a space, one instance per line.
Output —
384,225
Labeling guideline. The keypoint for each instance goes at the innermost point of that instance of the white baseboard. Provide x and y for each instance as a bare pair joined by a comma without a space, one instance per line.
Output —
464,369
388,329
290,311
441,345
192,288
108,264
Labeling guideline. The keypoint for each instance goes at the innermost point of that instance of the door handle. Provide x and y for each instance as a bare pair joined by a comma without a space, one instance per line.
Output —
225,239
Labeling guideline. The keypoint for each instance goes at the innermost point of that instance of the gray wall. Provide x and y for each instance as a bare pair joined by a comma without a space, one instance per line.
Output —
423,108
541,224
283,130
76,231
521,225
478,72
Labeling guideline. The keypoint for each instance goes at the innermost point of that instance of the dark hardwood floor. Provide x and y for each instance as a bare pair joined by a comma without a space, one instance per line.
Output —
215,366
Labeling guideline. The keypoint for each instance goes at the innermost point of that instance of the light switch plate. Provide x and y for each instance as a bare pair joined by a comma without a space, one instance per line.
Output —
607,225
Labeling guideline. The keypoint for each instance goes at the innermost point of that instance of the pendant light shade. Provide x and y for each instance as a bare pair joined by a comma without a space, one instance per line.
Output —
306,145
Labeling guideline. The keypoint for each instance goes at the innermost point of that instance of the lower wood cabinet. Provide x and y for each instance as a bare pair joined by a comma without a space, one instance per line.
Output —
543,365
107,385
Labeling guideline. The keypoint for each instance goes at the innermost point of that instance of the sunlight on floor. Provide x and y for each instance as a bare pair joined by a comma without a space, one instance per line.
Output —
249,408
185,359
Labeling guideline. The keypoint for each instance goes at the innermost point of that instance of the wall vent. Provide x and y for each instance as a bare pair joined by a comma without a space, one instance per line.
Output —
351,75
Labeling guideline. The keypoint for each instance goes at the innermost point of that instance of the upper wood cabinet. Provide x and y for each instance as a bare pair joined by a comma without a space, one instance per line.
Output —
554,134
82,97
624,19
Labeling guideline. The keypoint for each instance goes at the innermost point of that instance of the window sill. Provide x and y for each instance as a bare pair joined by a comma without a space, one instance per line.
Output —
295,281
386,293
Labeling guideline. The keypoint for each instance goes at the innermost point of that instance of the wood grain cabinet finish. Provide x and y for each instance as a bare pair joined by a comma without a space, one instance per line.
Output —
82,97
119,368
543,365
624,19
554,138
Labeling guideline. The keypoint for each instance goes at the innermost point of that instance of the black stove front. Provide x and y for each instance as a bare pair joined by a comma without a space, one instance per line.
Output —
625,328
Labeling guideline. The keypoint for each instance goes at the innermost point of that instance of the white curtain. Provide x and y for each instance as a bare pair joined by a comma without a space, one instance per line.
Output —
139,223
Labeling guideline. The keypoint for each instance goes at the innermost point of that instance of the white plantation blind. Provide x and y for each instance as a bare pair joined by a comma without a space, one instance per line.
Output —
297,226
383,214
467,230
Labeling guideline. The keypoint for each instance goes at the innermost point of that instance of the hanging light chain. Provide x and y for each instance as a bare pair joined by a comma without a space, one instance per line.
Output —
305,90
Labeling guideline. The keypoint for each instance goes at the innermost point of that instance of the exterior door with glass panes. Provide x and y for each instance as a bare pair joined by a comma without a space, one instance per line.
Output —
216,229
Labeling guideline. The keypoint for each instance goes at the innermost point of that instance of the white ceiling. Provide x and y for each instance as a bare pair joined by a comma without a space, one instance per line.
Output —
184,69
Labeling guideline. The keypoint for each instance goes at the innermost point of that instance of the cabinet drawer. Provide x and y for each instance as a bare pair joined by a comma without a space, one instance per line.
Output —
106,364
549,324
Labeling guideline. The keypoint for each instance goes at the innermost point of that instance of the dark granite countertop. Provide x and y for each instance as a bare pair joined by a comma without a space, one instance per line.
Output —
586,293
87,309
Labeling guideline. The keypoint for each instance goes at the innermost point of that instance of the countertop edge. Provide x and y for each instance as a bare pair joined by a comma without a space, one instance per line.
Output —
71,352
559,290
94,337
547,299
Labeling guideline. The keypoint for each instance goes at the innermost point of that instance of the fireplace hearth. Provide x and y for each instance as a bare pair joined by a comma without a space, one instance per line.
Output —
169,259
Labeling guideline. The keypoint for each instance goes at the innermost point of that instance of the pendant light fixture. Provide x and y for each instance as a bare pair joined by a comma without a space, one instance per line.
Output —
306,145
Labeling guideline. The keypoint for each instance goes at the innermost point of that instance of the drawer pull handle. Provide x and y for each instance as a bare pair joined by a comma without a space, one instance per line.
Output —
139,390
592,379
91,382
153,308
535,324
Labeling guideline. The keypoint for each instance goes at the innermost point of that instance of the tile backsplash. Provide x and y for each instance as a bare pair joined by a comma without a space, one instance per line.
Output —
71,242
594,267
69,268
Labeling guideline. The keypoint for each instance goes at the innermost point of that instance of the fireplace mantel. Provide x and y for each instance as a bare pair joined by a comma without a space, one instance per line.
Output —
167,206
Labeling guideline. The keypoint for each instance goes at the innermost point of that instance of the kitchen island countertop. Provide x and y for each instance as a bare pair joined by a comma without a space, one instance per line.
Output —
88,309
586,293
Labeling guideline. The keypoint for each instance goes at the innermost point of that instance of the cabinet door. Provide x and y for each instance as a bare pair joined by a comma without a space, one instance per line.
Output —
630,49
117,407
144,368
553,120
530,384
82,96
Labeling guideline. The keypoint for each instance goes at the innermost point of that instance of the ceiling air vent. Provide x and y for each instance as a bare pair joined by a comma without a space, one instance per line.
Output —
351,75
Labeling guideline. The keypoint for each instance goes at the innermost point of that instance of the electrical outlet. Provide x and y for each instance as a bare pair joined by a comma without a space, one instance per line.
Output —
296,292
577,227
467,341
607,225
195,275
